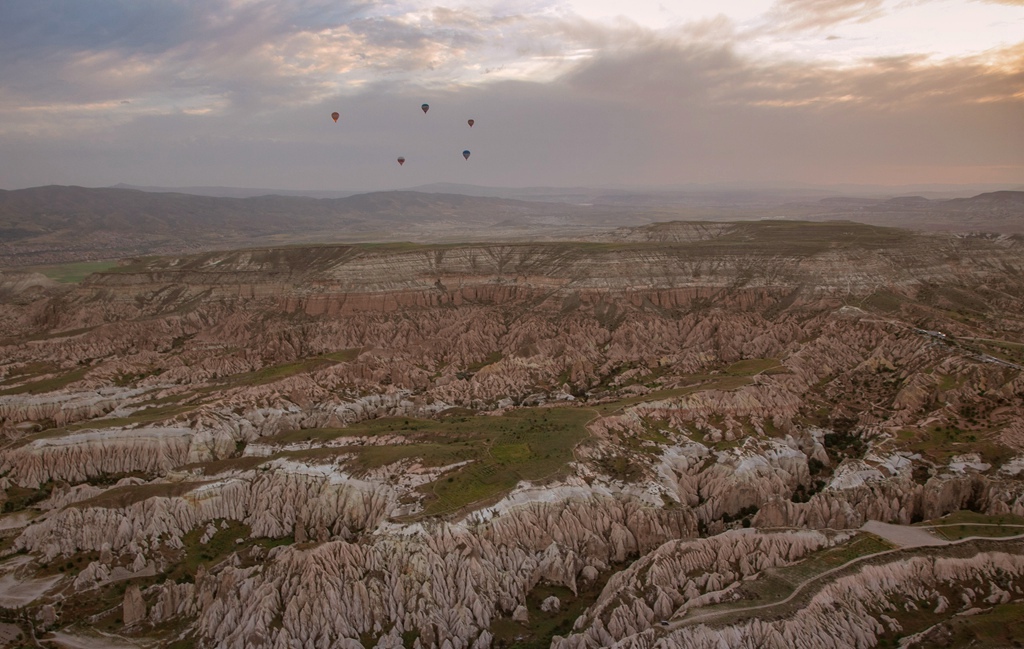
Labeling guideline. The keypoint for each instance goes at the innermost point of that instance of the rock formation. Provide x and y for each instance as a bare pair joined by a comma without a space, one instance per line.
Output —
256,445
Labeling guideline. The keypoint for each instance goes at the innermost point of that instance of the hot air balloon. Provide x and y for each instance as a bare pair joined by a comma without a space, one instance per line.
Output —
425,108
471,122
335,116
401,161
465,154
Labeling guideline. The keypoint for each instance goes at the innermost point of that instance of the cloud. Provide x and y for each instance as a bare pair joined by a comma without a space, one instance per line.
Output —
238,92
259,55
800,15
672,72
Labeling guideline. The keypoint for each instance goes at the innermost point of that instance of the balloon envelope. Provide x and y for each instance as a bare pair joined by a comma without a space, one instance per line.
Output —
425,107
471,122
335,116
401,161
465,154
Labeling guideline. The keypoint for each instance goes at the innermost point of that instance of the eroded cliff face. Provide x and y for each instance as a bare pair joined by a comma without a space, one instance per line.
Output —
882,601
456,446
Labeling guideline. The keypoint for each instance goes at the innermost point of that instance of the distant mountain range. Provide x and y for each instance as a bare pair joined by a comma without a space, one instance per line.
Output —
60,223
685,193
1000,211
236,192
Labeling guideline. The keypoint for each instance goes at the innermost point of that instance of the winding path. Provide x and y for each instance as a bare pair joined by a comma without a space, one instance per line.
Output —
802,586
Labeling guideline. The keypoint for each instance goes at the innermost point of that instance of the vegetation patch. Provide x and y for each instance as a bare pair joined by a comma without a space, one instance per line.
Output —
752,366
522,444
939,443
140,417
543,626
126,496
230,537
965,523
75,272
49,385
776,584
884,301
842,442
20,374
997,627
273,373
526,444
700,383
21,498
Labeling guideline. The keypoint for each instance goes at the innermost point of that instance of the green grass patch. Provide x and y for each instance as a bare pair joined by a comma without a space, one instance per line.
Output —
224,465
142,416
957,532
344,355
653,431
27,371
120,497
825,560
273,373
70,565
511,453
522,444
998,627
490,359
217,548
371,457
964,523
544,626
752,366
950,382
884,301
964,516
940,442
526,444
49,385
703,382
74,272
21,498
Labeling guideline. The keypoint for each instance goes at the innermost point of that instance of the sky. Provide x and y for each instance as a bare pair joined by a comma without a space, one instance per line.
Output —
563,92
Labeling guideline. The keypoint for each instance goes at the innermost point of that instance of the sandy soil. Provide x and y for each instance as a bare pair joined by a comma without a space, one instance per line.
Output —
903,535
15,592
68,641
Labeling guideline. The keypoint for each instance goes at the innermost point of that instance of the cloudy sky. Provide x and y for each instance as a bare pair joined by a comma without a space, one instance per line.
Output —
564,92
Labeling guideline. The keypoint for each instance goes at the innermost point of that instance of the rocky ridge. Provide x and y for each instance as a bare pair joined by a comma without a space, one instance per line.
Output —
436,441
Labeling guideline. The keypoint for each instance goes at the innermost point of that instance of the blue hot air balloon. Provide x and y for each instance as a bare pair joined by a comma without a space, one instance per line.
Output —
425,107
465,154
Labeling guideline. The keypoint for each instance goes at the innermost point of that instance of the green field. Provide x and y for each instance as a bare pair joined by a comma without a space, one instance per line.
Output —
49,384
701,382
273,373
965,516
528,444
74,272
963,524
752,366
998,627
